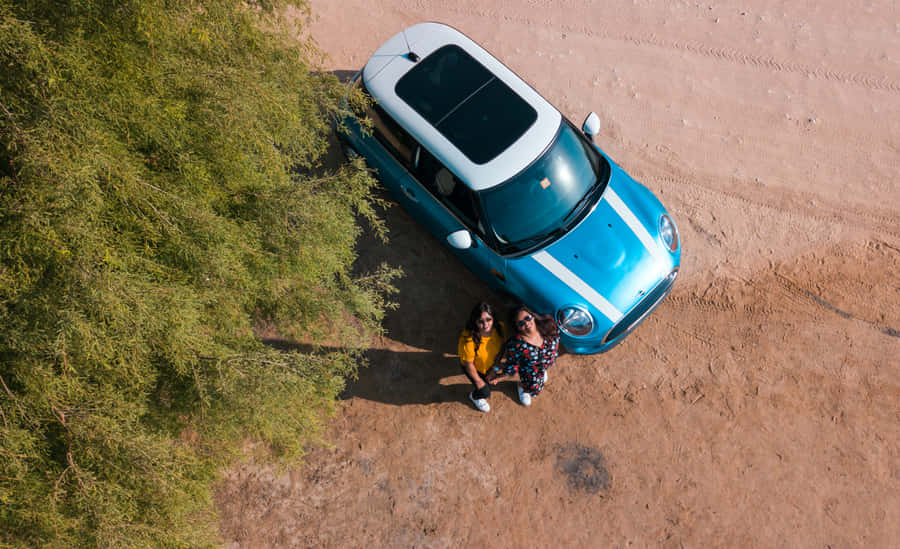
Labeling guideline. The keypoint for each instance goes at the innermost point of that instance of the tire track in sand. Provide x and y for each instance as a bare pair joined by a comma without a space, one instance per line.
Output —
797,292
731,55
747,310
806,206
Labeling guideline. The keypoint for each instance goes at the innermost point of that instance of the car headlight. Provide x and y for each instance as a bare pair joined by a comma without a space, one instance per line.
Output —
668,233
575,321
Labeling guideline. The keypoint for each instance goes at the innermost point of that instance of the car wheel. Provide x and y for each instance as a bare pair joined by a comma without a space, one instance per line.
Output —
350,152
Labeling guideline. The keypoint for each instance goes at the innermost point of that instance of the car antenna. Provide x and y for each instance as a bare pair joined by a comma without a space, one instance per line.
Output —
411,55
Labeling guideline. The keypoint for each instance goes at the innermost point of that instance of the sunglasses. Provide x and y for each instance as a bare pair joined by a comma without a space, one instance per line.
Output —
524,321
484,320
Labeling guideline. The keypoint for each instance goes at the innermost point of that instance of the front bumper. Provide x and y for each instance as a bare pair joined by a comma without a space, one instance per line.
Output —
629,322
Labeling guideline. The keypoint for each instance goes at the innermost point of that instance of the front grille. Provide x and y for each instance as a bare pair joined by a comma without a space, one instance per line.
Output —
640,311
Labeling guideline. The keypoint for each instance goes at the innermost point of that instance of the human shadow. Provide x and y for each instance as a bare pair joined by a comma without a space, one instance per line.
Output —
404,377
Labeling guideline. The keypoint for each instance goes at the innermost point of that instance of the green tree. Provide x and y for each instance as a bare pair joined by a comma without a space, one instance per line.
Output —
161,195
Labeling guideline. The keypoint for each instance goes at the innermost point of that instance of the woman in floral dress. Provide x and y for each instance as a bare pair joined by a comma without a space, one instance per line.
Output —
531,352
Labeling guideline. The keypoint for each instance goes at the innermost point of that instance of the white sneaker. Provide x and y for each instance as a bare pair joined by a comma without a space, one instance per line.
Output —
524,397
480,403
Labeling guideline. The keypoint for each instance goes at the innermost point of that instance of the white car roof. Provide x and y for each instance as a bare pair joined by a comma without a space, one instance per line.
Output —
390,63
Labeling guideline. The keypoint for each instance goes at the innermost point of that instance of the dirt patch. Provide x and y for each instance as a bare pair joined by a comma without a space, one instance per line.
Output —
583,467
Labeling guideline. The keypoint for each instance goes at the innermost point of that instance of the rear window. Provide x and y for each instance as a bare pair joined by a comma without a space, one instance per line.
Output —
467,104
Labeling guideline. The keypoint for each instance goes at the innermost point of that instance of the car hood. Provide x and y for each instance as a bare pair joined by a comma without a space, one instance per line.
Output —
609,261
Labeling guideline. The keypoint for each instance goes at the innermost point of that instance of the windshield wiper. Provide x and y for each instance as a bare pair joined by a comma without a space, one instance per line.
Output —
582,203
535,240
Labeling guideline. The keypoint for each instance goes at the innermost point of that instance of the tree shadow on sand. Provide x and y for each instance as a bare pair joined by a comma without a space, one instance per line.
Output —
412,363
344,75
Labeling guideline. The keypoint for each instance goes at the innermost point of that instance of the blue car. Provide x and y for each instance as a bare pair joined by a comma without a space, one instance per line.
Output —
517,192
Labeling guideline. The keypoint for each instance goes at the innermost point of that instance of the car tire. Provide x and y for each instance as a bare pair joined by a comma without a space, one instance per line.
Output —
349,152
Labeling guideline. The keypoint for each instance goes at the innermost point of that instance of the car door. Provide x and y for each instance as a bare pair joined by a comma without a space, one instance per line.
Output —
449,206
429,192
390,151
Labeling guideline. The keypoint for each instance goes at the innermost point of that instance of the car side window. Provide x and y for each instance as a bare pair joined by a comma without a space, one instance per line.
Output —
392,136
448,188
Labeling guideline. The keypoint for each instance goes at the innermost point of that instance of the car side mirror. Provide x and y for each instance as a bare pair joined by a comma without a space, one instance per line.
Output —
591,126
461,240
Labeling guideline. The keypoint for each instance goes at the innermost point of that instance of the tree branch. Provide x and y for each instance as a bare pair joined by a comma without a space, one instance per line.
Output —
15,401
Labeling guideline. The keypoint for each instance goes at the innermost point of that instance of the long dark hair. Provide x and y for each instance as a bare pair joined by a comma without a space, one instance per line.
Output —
472,324
545,324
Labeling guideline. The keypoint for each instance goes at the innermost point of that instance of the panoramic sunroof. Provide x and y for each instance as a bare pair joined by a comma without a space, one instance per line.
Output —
473,109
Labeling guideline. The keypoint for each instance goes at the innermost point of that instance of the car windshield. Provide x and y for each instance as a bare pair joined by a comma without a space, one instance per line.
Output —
549,196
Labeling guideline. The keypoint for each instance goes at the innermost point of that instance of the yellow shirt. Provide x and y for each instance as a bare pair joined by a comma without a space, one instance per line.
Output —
487,351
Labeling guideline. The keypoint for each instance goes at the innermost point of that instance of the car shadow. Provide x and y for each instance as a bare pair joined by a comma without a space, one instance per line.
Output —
344,75
415,361
419,351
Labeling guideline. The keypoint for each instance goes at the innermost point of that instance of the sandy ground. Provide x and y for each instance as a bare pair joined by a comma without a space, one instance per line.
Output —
758,407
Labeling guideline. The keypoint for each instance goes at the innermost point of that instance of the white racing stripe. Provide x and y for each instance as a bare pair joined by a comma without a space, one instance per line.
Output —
572,281
634,224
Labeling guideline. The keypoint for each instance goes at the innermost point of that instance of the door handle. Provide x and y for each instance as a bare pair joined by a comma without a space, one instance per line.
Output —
409,193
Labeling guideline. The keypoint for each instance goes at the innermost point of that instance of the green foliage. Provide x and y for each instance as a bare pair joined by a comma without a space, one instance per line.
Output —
161,196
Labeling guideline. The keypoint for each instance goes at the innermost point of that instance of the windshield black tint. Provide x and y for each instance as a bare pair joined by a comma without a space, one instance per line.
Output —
548,195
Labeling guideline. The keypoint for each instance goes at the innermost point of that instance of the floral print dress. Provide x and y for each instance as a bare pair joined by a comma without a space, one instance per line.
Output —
530,361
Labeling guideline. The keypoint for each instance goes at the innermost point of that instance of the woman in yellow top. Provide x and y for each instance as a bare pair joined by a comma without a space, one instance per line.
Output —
479,345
